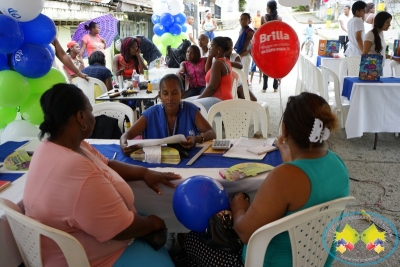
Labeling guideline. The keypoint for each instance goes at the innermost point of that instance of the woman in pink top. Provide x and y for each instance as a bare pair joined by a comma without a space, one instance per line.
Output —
218,77
193,69
72,187
92,41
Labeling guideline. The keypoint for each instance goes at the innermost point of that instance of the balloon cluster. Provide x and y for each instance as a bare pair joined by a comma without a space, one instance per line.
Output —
26,60
169,28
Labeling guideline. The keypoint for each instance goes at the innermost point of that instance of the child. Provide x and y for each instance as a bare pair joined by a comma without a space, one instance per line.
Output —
308,32
242,46
355,29
203,44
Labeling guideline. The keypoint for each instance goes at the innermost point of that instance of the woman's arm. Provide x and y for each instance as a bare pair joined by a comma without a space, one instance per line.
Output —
136,129
215,78
237,63
141,226
115,67
245,52
214,24
182,70
83,48
207,132
66,60
142,66
366,47
209,62
109,84
286,188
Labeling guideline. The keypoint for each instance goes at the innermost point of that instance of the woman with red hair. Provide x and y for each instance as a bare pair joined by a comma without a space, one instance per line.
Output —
129,59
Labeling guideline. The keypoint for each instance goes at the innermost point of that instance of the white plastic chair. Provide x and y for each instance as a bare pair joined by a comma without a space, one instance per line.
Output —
27,234
395,68
312,81
349,66
88,87
115,110
303,226
236,115
246,93
339,105
203,110
300,77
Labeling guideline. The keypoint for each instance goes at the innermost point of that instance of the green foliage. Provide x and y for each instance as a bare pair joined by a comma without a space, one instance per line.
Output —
302,8
242,5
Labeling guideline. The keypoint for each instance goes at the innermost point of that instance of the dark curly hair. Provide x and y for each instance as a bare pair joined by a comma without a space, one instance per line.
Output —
125,51
59,103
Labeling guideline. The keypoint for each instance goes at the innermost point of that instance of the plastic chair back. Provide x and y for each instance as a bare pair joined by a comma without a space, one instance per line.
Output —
395,68
349,66
88,87
202,110
303,226
300,75
27,234
236,114
115,110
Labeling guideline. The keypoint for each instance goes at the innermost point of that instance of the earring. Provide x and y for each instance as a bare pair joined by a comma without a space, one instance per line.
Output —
85,127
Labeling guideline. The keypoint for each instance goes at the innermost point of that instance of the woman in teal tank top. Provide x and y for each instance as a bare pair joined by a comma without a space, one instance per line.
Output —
310,175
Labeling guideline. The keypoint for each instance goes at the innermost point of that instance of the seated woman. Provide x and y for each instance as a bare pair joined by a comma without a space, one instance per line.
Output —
218,77
173,116
97,69
129,59
310,175
72,187
193,69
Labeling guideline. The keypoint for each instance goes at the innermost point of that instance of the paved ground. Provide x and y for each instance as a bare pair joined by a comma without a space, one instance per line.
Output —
378,190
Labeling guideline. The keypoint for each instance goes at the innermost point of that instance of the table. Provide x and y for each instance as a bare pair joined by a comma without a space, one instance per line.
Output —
157,74
373,108
144,196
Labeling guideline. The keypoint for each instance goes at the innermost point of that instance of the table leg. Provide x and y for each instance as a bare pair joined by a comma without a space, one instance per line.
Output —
376,140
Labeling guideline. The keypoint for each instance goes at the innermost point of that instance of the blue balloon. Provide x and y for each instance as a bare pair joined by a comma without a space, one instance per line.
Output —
175,29
11,36
51,50
180,18
3,62
166,19
32,60
40,30
196,199
155,19
184,28
159,29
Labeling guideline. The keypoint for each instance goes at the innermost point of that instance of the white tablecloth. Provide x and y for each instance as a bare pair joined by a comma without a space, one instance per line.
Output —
374,108
146,202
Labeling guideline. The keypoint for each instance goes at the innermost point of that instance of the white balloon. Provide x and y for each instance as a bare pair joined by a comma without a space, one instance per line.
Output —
18,130
160,8
174,7
21,10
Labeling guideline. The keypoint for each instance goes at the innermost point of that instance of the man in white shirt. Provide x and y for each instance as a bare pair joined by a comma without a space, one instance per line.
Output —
189,31
343,20
355,29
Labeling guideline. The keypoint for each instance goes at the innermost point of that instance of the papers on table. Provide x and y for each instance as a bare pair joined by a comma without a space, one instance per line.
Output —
156,142
239,149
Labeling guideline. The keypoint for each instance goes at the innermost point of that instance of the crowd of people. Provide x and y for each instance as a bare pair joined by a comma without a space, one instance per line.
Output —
98,204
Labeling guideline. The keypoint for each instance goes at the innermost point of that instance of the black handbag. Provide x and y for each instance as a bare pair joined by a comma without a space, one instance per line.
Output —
220,234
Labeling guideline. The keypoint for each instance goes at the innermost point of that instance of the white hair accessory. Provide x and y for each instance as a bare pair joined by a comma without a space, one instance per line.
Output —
319,133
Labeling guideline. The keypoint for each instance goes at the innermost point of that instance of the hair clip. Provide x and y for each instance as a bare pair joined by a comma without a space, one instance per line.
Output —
319,133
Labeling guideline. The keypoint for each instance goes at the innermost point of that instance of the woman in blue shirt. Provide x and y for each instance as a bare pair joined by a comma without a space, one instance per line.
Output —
172,117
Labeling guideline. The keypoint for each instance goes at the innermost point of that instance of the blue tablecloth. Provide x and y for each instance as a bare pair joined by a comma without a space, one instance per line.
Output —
319,60
348,84
204,161
5,150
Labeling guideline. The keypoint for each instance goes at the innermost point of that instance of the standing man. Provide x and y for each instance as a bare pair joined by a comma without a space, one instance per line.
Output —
209,25
355,29
257,21
189,29
343,20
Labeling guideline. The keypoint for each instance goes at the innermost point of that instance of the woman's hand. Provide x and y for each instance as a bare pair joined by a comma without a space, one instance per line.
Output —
189,143
138,53
181,74
158,223
240,202
128,150
153,178
84,76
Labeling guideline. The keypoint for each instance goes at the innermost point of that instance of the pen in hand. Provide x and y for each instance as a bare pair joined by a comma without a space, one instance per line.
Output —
115,155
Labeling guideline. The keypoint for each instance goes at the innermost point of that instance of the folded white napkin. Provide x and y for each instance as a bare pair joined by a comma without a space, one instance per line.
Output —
152,154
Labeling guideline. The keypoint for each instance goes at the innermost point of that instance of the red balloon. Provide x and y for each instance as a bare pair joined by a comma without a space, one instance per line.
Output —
275,49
